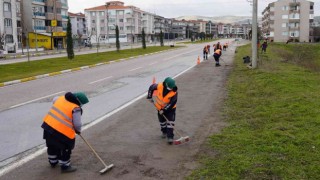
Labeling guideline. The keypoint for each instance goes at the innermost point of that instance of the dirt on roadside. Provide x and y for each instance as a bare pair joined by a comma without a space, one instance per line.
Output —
131,139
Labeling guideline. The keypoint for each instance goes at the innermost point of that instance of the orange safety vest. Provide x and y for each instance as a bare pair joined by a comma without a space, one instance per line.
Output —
159,101
218,51
60,117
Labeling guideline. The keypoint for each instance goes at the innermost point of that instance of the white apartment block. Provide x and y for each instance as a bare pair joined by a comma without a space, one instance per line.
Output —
102,20
285,20
9,16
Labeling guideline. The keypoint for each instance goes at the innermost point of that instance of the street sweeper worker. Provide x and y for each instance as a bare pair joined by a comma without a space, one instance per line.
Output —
164,96
60,126
216,55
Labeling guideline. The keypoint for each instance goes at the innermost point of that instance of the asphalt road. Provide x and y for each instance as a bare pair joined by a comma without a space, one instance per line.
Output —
109,87
129,136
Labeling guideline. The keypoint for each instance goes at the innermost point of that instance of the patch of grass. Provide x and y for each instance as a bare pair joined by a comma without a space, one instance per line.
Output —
22,70
273,115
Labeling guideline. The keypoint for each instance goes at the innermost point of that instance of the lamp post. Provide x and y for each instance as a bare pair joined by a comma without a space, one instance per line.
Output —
35,10
107,5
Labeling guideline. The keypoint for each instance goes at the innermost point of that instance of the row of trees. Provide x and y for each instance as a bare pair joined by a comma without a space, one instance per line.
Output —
70,51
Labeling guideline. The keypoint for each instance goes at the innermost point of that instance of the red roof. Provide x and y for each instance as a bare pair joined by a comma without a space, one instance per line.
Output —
76,14
103,7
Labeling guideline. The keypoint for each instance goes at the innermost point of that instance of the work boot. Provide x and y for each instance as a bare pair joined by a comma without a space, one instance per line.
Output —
53,165
170,141
67,169
164,135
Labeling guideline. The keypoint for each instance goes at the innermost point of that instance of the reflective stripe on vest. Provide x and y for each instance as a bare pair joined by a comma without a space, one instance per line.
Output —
159,101
60,117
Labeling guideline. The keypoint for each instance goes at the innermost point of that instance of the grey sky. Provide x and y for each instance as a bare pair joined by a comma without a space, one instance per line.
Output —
176,8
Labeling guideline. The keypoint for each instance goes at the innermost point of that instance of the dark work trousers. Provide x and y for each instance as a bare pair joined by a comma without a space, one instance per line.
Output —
205,55
216,58
167,127
58,151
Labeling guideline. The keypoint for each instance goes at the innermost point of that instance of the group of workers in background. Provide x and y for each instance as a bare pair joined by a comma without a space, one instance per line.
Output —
217,51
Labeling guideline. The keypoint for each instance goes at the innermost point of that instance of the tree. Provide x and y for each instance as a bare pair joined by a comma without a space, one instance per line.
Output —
117,38
69,41
161,38
143,39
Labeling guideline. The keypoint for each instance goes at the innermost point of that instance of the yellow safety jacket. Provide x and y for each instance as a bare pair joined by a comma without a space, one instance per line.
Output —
60,117
159,101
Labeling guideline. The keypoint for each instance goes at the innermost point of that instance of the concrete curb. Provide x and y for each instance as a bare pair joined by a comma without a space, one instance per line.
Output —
73,70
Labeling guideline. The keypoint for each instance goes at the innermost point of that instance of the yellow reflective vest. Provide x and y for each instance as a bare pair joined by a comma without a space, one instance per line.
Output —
159,101
60,117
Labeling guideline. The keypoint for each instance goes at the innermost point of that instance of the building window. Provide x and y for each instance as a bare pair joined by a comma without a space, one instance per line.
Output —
93,21
7,7
102,20
284,25
284,8
285,33
93,13
120,20
93,29
311,7
101,28
101,13
7,22
121,28
9,38
284,16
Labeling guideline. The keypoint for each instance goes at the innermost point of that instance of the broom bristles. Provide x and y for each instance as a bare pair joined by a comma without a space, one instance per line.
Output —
181,140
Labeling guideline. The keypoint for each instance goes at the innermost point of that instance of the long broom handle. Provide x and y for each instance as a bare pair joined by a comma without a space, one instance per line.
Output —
93,150
171,125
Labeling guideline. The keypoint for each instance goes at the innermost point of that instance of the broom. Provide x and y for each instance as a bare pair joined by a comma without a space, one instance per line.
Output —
182,139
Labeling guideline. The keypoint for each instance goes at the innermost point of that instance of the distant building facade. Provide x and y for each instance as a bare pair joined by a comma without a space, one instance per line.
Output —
10,18
288,20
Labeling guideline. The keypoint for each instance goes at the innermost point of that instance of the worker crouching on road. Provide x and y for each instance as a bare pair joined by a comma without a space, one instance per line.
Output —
60,126
216,55
164,96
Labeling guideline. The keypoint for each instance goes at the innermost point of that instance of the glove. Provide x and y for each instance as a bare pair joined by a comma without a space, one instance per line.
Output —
77,132
161,112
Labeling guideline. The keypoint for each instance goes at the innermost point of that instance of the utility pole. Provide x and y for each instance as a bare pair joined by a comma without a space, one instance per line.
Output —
254,33
35,13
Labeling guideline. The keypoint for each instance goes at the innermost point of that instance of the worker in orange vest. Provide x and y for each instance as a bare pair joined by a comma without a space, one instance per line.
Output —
164,96
205,53
216,55
60,126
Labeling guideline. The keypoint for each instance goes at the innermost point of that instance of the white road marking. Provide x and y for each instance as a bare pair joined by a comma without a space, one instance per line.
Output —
100,80
153,63
180,55
36,99
135,69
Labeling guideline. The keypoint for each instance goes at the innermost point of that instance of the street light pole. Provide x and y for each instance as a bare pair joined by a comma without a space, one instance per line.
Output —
254,33
107,5
35,10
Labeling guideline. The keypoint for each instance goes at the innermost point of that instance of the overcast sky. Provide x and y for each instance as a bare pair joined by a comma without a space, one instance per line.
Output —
176,8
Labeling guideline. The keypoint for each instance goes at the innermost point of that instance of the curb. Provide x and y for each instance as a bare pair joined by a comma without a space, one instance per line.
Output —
73,69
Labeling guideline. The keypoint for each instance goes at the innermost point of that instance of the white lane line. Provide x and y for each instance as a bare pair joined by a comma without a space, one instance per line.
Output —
100,80
153,63
36,99
179,55
135,69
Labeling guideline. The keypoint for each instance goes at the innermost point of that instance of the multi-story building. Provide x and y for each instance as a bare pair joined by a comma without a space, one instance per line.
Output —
9,19
78,26
212,28
102,20
288,20
45,23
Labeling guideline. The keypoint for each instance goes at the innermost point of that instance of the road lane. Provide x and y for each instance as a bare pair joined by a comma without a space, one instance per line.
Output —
117,86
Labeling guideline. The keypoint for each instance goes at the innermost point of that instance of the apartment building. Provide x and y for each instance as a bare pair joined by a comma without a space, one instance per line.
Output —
288,20
45,23
102,20
79,29
212,28
9,20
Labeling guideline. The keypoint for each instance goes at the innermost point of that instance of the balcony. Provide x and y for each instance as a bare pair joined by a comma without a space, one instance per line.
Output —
39,14
39,1
64,16
39,28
